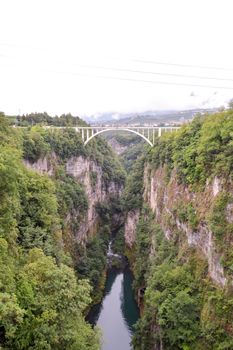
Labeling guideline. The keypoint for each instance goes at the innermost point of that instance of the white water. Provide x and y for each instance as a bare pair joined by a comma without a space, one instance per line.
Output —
110,253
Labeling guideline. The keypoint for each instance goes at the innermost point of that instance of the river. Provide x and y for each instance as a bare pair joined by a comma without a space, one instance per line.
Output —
118,311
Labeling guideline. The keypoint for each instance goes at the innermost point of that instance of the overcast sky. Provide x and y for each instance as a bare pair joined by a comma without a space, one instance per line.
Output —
88,57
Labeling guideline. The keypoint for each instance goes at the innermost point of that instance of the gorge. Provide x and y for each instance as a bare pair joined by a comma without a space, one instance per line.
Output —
167,209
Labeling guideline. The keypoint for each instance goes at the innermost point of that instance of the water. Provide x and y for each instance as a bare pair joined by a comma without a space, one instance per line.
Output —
110,253
118,311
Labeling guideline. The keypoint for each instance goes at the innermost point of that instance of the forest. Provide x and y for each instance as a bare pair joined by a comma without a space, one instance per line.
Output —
47,285
45,289
183,308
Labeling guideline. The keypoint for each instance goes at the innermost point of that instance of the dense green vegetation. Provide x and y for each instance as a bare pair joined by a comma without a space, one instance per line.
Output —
197,153
186,213
222,227
72,199
217,218
42,303
67,143
45,119
41,300
47,281
131,154
199,150
118,245
182,307
134,186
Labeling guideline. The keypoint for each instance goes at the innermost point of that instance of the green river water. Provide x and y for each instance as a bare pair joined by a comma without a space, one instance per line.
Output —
118,311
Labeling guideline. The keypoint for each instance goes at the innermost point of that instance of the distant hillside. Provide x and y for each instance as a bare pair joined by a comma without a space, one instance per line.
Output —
148,117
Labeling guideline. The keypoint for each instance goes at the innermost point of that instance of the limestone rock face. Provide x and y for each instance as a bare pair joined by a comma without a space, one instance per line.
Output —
82,168
116,146
43,165
97,191
163,197
130,227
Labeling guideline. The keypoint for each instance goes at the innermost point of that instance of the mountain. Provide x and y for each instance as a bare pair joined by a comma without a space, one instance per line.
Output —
147,117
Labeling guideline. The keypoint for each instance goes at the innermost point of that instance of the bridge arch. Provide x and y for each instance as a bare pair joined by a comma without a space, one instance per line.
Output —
117,129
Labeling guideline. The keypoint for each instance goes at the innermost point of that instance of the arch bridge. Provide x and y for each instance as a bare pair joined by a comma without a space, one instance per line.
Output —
148,133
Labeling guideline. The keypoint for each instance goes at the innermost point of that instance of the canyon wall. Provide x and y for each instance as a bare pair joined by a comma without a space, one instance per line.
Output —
132,219
165,197
90,175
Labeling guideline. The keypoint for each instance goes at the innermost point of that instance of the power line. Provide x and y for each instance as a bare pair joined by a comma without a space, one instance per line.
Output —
154,73
147,81
135,59
143,80
182,65
146,72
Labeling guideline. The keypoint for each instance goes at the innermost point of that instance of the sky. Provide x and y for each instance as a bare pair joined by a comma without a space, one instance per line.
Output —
88,57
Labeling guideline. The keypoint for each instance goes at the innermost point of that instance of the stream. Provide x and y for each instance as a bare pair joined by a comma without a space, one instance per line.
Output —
118,311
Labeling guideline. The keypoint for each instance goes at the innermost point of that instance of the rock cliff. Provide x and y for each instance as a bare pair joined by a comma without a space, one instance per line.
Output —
130,227
166,198
90,175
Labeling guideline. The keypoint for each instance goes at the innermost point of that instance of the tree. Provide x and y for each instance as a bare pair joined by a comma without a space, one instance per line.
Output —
230,104
46,310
